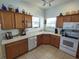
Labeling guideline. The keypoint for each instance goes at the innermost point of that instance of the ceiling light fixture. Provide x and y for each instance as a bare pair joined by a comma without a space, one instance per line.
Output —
47,2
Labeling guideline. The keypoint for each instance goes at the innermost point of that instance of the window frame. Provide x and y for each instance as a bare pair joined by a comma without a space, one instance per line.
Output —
32,22
53,23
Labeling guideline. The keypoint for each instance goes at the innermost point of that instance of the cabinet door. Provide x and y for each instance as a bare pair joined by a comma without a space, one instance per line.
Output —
67,18
22,46
7,20
28,20
19,20
43,39
52,40
75,18
55,41
59,22
46,39
15,49
39,40
11,51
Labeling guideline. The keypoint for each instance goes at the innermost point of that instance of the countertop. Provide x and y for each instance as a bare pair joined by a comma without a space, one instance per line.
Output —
26,36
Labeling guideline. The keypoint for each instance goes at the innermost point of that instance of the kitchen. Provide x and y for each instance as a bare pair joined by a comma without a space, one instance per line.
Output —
50,27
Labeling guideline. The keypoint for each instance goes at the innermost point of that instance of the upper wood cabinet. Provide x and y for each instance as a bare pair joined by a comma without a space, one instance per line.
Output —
12,20
28,21
7,19
67,18
59,22
75,18
19,21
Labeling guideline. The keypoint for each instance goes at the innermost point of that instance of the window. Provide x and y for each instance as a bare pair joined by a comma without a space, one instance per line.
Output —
35,22
51,22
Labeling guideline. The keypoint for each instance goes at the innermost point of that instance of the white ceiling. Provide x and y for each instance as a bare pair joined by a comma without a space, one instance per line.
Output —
39,3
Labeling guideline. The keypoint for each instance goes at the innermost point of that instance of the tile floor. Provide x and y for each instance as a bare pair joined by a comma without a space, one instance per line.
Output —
46,52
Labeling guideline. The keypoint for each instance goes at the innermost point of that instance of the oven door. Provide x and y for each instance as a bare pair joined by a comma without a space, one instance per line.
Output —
69,43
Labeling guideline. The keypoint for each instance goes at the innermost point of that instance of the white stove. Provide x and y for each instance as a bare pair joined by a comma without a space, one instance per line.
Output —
70,39
69,45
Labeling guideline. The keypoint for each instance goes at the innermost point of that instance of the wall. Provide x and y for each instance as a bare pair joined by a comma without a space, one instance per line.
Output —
62,8
71,5
29,8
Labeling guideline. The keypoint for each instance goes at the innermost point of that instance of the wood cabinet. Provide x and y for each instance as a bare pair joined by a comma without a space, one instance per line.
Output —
67,18
7,19
55,41
75,18
23,21
59,22
46,39
12,20
43,39
23,46
28,21
16,49
19,21
11,51
39,39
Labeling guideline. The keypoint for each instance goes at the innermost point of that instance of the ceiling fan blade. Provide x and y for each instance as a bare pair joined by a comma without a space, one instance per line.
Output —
49,4
44,4
51,1
44,0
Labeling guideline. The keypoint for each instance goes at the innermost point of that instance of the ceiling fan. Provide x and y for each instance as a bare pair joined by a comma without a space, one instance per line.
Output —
47,2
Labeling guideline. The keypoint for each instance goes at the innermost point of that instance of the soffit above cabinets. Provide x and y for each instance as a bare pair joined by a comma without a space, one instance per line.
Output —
39,3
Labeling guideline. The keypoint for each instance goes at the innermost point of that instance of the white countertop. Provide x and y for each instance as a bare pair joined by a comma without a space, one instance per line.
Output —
26,36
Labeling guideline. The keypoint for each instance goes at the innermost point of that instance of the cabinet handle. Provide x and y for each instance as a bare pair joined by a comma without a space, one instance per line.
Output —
22,21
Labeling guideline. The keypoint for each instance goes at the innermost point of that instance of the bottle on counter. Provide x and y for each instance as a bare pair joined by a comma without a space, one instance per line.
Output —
56,30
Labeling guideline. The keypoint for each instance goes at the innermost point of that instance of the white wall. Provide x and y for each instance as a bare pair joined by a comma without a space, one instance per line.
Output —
62,8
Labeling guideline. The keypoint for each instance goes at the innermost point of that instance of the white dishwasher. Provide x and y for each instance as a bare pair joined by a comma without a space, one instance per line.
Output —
32,42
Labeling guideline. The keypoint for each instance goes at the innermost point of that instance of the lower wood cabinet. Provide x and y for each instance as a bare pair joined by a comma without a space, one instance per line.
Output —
16,49
11,51
48,39
43,39
39,39
55,41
